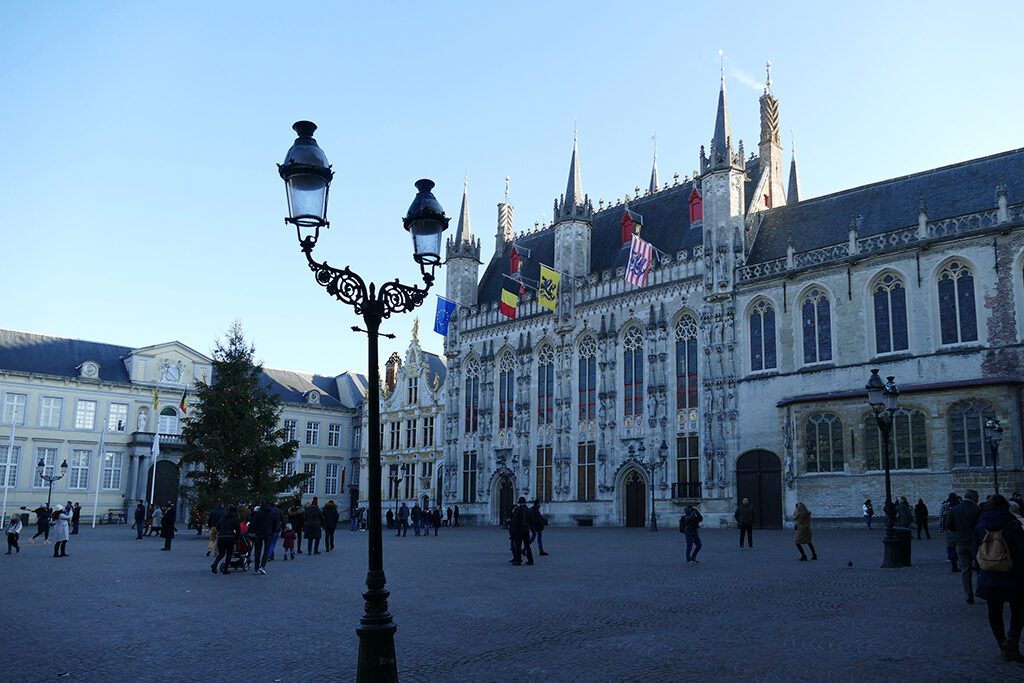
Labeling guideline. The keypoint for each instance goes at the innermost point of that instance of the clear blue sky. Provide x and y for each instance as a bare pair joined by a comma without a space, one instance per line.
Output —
140,202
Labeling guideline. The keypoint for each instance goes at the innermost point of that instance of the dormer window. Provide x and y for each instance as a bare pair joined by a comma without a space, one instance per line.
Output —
89,369
696,207
412,391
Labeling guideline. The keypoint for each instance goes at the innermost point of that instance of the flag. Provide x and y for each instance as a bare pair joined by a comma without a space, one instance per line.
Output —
155,452
510,289
445,308
640,254
184,403
547,290
631,222
156,399
515,261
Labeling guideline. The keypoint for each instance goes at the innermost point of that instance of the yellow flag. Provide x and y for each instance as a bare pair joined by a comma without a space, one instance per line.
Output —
156,399
547,292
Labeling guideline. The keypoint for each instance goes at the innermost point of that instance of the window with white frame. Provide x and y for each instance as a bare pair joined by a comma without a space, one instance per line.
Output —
395,435
632,373
428,431
410,433
427,468
334,435
289,429
14,408
331,479
824,443
113,464
506,390
816,324
50,409
49,457
85,414
312,433
78,469
469,476
9,458
587,387
309,486
686,363
168,421
472,396
957,318
409,482
117,417
412,394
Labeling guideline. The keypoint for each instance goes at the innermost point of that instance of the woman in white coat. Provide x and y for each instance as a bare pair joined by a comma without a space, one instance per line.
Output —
13,530
59,532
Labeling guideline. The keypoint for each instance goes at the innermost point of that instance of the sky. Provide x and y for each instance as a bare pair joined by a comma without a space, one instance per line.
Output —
140,201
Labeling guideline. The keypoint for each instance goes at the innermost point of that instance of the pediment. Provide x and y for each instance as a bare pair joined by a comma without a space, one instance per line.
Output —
169,364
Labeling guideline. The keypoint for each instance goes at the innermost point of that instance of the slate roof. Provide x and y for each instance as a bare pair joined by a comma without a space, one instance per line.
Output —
949,191
39,353
436,365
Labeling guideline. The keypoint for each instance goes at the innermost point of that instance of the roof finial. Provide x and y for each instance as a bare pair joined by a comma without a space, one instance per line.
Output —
506,188
465,179
574,131
768,80
721,60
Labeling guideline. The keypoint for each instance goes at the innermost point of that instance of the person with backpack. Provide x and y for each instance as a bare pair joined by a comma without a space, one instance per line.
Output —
689,526
961,520
999,549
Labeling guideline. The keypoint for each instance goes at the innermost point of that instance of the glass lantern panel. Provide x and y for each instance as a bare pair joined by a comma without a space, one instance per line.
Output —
307,199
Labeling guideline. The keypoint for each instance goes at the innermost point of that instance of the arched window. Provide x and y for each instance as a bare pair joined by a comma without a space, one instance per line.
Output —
588,379
168,421
633,372
696,207
967,432
957,321
545,385
472,400
762,336
908,446
816,321
506,390
890,305
686,363
824,443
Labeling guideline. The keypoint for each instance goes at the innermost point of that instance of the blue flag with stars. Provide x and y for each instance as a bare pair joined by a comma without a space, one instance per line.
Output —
445,309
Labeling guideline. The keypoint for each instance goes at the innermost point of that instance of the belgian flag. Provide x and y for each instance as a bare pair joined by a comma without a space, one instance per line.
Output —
510,288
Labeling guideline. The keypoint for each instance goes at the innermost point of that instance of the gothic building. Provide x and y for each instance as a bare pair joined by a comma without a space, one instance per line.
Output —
739,369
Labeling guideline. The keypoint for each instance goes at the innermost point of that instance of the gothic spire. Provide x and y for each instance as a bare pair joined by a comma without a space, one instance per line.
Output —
463,232
793,194
721,143
574,203
654,171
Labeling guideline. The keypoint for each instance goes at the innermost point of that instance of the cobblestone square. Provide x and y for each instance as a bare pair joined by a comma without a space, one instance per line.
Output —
605,605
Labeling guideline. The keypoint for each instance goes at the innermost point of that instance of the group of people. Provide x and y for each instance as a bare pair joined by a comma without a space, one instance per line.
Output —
905,516
525,525
420,519
58,522
745,515
155,519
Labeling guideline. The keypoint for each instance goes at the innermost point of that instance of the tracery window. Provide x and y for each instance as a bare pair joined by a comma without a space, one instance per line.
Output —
545,472
586,471
824,443
816,322
472,399
762,336
967,432
908,446
957,318
686,363
633,372
545,385
506,390
890,305
587,378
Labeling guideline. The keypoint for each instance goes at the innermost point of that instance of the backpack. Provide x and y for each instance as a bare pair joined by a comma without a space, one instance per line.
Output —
994,552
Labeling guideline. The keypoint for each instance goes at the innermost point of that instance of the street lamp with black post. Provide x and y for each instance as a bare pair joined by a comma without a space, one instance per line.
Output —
884,401
50,478
307,176
994,434
652,467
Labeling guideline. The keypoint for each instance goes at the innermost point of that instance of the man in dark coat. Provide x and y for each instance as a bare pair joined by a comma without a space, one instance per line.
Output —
520,529
435,519
961,520
456,515
537,523
140,520
448,514
416,514
689,524
313,526
167,526
261,526
744,517
331,516
42,523
76,516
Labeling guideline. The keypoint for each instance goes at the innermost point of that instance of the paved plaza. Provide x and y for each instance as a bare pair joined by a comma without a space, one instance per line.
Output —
606,605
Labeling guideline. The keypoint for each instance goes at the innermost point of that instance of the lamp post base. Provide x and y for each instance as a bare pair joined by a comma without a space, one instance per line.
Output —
897,549
654,523
376,631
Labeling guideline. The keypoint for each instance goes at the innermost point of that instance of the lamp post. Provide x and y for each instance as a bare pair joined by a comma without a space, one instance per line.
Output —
994,434
884,401
50,478
307,176
653,466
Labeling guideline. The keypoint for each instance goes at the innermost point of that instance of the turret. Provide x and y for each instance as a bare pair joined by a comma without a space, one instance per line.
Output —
462,258
573,217
506,215
770,148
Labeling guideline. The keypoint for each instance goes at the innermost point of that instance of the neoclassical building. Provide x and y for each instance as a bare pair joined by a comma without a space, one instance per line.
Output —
62,395
411,415
742,362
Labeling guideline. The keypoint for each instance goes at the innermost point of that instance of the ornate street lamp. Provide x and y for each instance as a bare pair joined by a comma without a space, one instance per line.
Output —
307,176
994,434
50,478
884,401
653,465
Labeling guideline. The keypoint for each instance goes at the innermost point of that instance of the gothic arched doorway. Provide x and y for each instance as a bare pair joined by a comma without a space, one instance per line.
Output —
636,499
505,498
166,483
759,478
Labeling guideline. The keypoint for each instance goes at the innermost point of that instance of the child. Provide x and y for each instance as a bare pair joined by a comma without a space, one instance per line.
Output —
289,541
13,533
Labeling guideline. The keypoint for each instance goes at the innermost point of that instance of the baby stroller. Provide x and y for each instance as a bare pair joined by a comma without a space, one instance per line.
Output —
242,556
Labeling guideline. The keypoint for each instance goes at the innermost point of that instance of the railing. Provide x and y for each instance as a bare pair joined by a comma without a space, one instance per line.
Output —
686,489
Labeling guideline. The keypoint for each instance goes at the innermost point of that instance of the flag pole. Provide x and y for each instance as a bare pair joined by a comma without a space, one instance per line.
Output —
155,448
7,471
99,474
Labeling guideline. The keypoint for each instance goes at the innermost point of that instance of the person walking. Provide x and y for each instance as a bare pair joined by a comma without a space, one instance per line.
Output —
389,520
59,524
140,520
331,516
313,525
689,526
744,517
416,514
76,515
1001,577
297,518
42,523
456,515
261,526
448,516
403,520
157,523
802,517
951,501
13,530
228,529
288,538
869,512
921,519
167,525
537,524
353,518
904,515
212,520
961,520
435,519
520,529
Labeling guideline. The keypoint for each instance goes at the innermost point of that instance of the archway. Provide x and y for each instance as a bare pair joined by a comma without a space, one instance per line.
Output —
636,499
759,478
167,480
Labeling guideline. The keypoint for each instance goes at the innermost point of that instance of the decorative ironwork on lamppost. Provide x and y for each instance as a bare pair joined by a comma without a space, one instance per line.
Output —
993,435
50,478
307,176
884,401
652,467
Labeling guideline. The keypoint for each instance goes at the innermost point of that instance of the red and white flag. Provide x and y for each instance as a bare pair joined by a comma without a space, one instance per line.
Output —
640,255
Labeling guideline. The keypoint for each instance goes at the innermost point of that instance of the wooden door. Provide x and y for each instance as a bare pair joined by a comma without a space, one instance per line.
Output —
759,478
636,500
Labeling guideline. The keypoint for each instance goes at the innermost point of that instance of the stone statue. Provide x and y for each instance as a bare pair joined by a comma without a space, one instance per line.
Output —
416,329
437,381
142,420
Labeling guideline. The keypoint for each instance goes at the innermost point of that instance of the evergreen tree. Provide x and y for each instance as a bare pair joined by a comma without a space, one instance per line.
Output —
232,436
